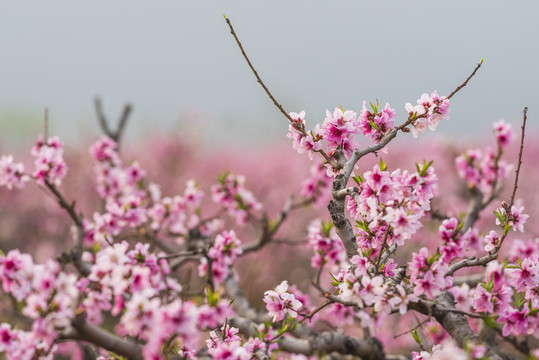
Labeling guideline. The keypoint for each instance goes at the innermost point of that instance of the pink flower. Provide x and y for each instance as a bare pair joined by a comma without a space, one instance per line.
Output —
492,240
482,300
503,133
339,128
526,276
376,124
12,174
50,165
516,321
280,302
428,112
463,298
372,289
516,218
234,197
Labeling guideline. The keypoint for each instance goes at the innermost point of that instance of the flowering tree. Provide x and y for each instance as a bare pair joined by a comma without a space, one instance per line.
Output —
120,291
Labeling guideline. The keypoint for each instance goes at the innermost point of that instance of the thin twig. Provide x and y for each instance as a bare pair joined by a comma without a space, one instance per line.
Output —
46,126
255,73
466,81
517,172
117,134
318,308
259,80
412,329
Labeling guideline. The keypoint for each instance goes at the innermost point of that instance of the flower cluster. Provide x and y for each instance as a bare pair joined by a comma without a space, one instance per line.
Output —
375,124
339,129
428,112
226,248
49,164
302,141
114,180
234,197
480,168
483,168
12,174
456,244
178,214
503,133
46,294
427,273
364,290
389,206
280,302
515,219
327,246
317,185
511,294
227,345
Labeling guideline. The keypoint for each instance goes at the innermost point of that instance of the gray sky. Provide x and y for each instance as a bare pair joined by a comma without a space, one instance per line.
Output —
176,61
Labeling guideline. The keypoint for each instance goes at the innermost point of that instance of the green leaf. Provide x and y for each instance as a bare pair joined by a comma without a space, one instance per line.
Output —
375,107
363,225
500,216
334,280
423,169
358,179
326,227
383,166
212,296
490,284
490,322
222,177
416,337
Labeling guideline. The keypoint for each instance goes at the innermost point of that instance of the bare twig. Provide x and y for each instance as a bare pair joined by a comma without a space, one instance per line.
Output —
259,80
46,125
412,329
474,208
116,134
316,310
102,338
521,150
466,81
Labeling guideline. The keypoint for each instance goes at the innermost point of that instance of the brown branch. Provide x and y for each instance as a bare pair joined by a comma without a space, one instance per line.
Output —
102,338
474,208
75,255
326,342
466,81
521,150
315,311
269,230
412,329
259,80
241,304
472,280
454,322
472,261
116,134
